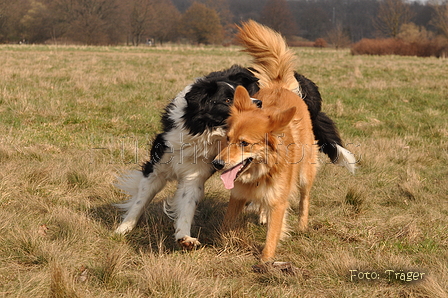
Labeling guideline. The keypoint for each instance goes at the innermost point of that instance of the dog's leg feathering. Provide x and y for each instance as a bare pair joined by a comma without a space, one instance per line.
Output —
142,189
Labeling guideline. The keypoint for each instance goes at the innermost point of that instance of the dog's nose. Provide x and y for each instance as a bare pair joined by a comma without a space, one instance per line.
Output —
257,102
218,164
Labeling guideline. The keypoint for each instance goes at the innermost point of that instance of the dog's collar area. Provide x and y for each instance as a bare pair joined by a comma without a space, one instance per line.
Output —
257,102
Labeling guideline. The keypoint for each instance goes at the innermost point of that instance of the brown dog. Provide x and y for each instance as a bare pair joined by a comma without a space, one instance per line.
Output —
271,154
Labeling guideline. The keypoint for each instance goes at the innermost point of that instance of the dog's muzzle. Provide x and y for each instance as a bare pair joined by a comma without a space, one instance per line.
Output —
218,164
257,102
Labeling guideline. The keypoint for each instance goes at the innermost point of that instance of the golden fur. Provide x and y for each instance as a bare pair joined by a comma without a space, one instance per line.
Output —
273,147
272,60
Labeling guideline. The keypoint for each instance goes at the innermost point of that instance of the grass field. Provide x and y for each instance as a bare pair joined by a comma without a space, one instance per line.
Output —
72,118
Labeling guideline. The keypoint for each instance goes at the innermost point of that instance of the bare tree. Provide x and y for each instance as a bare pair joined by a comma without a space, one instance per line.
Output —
222,7
440,18
152,19
4,16
277,15
11,12
246,9
140,12
337,37
90,21
202,25
38,23
392,14
164,22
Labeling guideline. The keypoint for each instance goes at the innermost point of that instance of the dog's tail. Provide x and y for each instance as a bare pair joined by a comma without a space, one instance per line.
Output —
273,61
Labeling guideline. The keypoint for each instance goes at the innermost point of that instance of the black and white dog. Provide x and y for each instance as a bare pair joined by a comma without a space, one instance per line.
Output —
194,125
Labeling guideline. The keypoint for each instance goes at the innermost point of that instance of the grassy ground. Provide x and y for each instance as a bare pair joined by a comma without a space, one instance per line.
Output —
72,118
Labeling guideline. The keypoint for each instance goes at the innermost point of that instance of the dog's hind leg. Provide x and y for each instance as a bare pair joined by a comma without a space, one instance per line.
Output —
148,187
307,174
304,205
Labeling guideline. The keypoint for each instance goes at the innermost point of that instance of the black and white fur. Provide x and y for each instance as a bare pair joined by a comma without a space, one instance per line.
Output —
193,127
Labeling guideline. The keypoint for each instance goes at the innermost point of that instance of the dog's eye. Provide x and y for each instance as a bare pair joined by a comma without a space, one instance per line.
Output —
227,100
244,144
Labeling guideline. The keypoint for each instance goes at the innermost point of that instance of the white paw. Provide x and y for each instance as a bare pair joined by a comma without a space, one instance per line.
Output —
124,228
188,242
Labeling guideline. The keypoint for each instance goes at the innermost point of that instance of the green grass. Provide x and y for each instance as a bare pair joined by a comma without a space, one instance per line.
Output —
72,118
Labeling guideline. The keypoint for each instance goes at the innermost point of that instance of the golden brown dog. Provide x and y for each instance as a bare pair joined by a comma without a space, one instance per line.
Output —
271,154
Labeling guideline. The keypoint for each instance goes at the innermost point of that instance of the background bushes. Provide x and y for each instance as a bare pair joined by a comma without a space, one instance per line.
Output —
396,46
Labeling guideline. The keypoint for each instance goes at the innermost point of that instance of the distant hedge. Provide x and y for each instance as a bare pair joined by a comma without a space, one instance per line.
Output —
393,46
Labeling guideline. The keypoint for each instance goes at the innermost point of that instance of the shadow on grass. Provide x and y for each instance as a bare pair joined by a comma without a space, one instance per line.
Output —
154,231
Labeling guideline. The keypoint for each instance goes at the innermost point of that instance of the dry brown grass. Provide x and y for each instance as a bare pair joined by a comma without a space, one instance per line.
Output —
71,118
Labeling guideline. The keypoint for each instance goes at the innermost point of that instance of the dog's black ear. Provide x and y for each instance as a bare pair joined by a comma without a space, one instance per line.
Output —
211,88
200,92
243,78
247,80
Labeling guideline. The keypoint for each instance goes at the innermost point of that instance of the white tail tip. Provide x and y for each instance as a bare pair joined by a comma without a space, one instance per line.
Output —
346,159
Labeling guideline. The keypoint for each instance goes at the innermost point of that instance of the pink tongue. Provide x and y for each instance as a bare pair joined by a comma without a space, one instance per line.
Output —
229,176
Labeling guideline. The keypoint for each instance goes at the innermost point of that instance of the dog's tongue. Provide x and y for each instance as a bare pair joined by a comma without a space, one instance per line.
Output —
229,176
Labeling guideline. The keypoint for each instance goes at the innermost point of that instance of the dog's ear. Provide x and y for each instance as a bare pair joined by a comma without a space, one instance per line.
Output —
280,119
241,100
211,88
245,79
200,92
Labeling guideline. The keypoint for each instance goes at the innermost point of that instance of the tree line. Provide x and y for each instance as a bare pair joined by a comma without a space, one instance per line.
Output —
134,22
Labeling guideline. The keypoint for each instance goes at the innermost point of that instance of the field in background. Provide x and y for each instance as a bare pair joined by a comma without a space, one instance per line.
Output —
72,118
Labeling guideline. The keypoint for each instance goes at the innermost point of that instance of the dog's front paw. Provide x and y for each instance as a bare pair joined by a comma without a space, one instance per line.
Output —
124,228
285,267
188,243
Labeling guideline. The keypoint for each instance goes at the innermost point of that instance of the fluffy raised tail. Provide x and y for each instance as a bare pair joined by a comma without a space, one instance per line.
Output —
273,61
